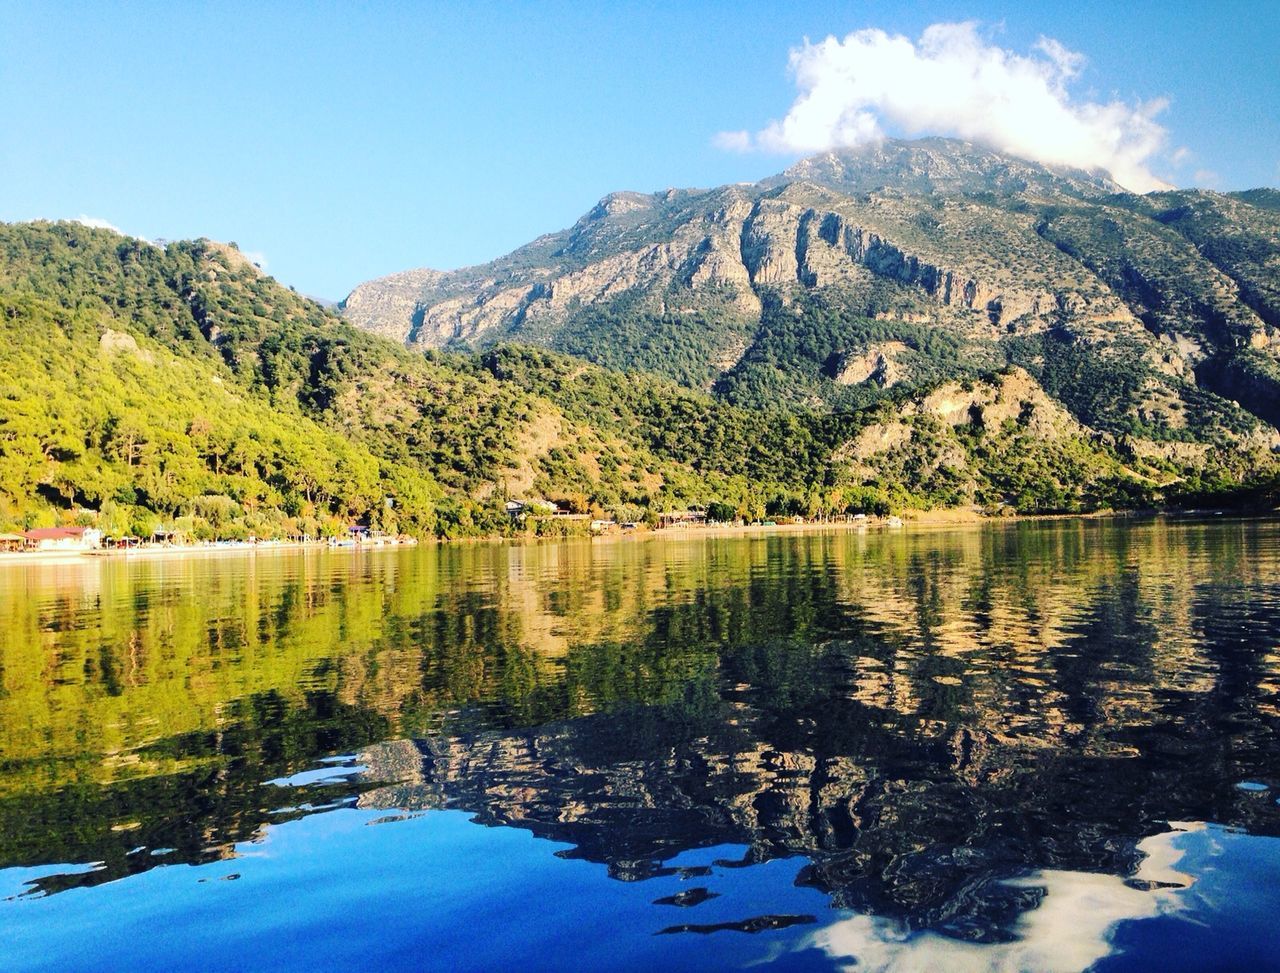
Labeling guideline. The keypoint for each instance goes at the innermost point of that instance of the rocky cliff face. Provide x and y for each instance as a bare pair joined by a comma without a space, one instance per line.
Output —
724,247
386,305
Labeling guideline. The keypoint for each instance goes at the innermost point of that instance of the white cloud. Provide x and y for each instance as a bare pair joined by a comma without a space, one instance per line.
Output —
1068,932
256,257
1069,63
953,82
739,141
1206,179
98,224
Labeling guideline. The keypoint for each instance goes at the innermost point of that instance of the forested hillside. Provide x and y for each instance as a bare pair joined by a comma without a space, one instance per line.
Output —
179,387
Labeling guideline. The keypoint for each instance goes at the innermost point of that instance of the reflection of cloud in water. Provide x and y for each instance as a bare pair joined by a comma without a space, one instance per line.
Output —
1067,933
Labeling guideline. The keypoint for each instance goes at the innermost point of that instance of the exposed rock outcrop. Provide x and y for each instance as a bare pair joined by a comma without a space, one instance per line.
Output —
389,305
877,363
1014,396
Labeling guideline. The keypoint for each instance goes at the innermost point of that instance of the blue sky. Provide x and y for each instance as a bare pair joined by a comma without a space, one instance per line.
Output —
343,142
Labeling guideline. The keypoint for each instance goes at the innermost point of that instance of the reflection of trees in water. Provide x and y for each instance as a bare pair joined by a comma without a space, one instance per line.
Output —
220,797
921,714
900,814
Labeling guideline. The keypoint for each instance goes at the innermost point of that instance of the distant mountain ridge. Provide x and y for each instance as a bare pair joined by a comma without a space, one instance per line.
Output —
684,237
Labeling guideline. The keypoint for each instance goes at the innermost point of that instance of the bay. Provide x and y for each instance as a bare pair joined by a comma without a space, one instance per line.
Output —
1041,745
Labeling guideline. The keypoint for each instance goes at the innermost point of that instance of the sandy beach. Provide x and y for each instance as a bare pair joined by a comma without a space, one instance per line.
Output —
181,551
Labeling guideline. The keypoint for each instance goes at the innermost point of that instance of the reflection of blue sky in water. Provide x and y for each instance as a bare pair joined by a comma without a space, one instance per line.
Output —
336,770
355,890
437,891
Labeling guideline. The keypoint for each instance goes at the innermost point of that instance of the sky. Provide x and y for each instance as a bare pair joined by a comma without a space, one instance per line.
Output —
340,142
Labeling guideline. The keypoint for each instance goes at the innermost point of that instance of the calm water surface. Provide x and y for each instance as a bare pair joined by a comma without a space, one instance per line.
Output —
1044,747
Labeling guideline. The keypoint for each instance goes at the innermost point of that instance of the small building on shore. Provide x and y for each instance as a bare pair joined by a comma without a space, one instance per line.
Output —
695,516
63,539
13,542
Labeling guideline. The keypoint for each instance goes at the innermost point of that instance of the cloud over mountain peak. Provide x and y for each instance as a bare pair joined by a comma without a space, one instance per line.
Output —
953,81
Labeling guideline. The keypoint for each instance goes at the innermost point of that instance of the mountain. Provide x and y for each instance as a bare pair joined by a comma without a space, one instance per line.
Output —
179,386
897,266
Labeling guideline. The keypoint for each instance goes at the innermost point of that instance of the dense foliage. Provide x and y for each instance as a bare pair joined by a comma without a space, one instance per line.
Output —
800,347
629,334
144,387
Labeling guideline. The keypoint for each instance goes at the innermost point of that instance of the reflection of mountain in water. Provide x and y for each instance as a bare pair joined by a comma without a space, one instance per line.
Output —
921,812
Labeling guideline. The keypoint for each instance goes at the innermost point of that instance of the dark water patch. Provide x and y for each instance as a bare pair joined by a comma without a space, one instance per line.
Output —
688,898
753,925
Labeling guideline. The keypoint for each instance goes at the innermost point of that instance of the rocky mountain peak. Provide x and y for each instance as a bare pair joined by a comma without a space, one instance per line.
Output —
616,204
942,166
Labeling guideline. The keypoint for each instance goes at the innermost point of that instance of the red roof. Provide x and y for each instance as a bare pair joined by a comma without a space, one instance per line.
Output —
54,533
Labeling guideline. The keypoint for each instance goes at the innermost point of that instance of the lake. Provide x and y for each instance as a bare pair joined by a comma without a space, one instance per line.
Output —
1044,746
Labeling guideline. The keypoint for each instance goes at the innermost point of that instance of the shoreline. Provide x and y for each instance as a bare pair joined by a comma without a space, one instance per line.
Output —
912,521
187,550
